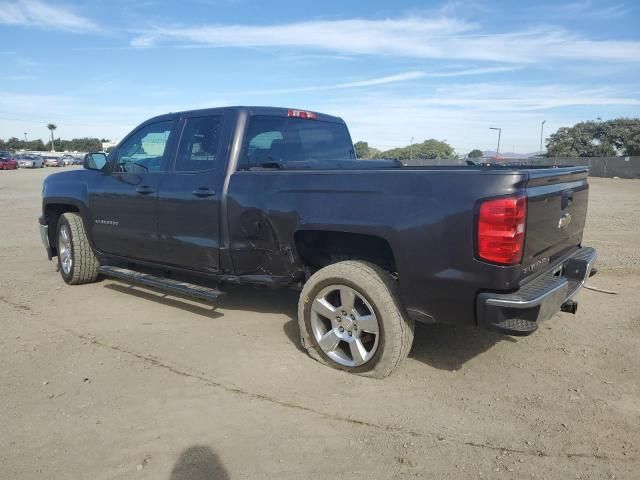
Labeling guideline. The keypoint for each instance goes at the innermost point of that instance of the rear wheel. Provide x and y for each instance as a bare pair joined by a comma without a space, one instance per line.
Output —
76,260
351,318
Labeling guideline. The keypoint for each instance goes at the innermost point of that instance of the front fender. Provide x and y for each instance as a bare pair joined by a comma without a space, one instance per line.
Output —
64,192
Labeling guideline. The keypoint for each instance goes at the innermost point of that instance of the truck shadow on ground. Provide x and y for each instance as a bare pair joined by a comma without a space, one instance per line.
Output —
237,297
445,347
198,463
188,305
448,347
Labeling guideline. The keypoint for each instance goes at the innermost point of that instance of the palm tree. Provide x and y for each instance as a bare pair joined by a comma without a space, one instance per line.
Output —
52,127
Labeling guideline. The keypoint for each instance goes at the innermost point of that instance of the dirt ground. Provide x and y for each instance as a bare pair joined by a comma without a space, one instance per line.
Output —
105,381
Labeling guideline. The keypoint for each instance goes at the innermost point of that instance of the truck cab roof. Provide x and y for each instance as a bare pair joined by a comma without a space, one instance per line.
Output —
251,110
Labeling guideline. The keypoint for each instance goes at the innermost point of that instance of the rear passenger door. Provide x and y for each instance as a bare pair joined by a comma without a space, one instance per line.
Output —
189,197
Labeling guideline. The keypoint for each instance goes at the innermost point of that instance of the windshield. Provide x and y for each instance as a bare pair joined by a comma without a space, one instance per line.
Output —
5,155
286,140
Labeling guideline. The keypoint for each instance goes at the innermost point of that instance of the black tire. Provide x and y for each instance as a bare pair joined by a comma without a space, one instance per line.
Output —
84,263
379,289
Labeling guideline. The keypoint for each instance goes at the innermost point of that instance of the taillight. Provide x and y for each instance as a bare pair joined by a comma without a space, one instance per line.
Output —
501,230
302,114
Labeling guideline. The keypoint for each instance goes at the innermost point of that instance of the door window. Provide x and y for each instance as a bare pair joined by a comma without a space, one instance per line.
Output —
200,144
144,151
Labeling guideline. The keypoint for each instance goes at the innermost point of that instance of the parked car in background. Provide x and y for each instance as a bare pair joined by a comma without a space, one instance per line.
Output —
67,160
30,161
77,160
52,162
7,161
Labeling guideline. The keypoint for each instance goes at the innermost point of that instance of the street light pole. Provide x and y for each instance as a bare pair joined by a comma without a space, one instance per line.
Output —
411,149
499,129
25,136
541,134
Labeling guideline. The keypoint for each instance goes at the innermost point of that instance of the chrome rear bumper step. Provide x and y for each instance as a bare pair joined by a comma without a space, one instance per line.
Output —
159,283
522,311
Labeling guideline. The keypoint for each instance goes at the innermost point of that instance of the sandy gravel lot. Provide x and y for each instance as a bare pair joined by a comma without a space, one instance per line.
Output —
104,381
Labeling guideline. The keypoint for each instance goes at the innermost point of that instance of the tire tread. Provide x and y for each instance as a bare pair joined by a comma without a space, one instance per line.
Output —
85,262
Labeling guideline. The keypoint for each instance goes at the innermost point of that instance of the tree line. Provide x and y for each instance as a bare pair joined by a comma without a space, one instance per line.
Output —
609,138
74,145
428,149
620,136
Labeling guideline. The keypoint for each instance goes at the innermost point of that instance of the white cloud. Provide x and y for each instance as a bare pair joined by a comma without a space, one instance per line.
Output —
492,97
417,37
34,13
400,77
472,71
396,78
586,9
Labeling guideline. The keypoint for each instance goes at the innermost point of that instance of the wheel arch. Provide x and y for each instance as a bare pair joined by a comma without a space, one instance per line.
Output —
52,211
318,248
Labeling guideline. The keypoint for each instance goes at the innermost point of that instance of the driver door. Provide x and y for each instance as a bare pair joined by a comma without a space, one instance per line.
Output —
124,202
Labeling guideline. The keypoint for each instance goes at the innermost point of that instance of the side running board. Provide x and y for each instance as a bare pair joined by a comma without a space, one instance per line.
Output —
164,284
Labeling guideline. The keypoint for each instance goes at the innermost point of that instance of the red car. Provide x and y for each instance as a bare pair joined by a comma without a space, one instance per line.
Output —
7,162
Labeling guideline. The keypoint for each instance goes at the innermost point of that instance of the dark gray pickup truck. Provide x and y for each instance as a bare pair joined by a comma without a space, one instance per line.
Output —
276,197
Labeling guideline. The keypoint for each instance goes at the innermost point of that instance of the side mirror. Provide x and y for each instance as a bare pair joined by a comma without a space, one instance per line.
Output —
94,161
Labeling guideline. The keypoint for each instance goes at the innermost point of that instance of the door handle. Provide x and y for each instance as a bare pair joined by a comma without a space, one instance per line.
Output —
145,190
203,192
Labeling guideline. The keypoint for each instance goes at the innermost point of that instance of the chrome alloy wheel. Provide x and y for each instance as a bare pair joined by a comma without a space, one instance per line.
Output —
345,325
64,249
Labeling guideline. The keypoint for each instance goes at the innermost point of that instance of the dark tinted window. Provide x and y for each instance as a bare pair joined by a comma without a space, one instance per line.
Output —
286,140
200,144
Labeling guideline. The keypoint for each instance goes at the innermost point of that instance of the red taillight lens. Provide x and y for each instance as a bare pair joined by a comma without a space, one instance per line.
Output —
501,229
303,114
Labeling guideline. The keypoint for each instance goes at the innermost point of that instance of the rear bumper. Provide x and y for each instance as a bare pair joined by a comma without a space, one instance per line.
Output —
520,312
44,235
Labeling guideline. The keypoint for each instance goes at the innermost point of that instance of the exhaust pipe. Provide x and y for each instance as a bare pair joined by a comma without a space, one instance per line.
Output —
569,307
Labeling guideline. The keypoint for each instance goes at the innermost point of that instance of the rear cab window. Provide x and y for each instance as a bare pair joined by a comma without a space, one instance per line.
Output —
288,142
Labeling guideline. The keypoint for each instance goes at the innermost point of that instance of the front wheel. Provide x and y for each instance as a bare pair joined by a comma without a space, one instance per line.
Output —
351,319
76,260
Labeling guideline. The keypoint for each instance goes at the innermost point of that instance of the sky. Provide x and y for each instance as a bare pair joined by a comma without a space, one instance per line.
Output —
394,71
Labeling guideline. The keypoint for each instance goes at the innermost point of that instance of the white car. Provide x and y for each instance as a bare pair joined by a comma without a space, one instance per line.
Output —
31,161
52,162
66,161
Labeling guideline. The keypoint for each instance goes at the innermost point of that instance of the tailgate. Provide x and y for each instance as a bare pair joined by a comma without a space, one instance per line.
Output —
556,215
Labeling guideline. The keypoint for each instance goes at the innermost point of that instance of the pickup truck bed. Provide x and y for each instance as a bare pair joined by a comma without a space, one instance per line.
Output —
280,200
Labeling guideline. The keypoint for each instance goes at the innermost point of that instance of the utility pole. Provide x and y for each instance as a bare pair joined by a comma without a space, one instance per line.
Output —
542,134
499,129
411,149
